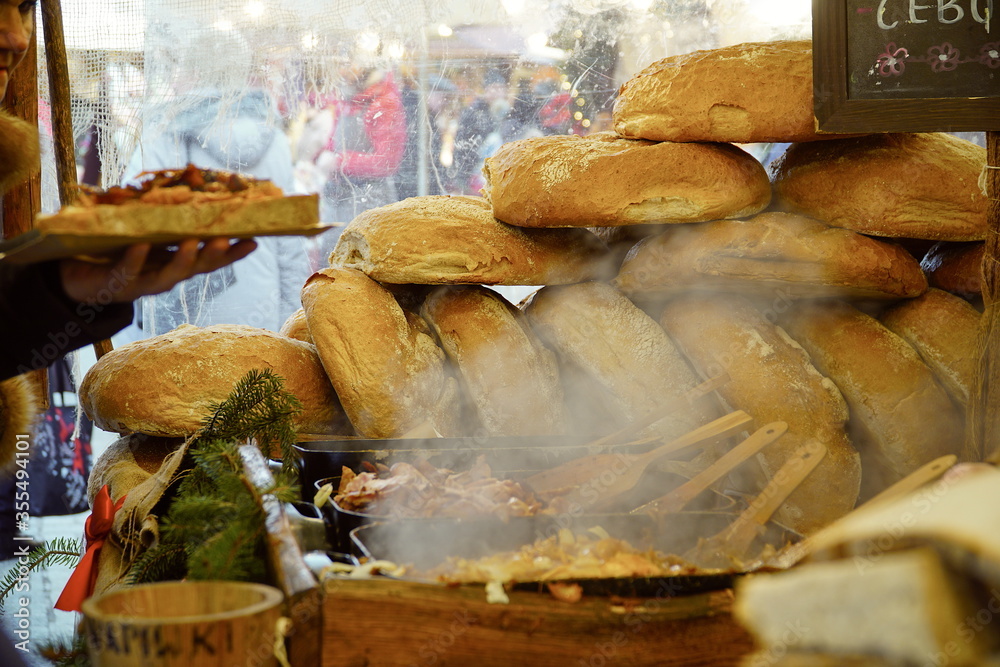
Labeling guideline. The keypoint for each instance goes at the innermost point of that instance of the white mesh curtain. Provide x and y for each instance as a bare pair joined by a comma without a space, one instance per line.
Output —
124,53
136,64
126,56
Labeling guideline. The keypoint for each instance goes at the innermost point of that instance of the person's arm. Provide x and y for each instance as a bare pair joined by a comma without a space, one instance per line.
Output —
474,124
39,323
49,309
385,124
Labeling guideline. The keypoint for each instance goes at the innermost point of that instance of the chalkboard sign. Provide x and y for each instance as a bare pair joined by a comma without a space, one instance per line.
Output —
906,65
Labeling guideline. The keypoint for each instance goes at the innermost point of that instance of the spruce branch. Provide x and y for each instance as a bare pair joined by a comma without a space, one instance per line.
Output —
58,551
259,407
164,562
66,652
214,528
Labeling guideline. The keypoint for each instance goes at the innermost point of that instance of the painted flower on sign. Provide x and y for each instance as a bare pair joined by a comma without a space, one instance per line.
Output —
989,55
943,58
892,61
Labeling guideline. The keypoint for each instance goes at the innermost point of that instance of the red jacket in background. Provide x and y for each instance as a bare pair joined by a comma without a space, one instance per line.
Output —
378,109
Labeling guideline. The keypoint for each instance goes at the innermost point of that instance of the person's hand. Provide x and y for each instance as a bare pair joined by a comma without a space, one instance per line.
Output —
329,162
132,276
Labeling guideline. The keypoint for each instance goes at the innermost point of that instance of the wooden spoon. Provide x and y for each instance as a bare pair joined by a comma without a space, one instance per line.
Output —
923,475
729,546
585,476
677,499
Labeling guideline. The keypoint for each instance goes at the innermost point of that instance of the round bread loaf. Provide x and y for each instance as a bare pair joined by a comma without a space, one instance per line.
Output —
772,379
295,327
625,358
944,329
442,240
511,379
955,268
773,253
166,385
128,462
389,373
901,418
602,180
752,92
918,186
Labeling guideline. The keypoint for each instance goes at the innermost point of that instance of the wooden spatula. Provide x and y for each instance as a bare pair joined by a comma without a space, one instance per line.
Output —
678,498
729,546
586,478
683,402
923,475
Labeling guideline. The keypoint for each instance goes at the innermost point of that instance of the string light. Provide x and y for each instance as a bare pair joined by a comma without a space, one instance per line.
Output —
309,41
368,42
255,9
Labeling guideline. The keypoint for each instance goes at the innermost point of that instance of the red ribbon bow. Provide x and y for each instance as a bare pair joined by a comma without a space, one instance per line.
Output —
81,583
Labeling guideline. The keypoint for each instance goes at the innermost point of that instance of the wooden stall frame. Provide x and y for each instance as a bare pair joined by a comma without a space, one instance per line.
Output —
837,112
57,66
925,108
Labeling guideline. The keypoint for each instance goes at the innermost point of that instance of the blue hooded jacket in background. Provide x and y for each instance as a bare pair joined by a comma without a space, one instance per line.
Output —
235,133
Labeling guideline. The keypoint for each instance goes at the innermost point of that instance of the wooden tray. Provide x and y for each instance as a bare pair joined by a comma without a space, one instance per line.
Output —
38,246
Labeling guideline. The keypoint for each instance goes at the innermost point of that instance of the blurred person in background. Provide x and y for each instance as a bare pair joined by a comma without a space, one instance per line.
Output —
438,95
523,120
354,146
554,114
478,133
219,119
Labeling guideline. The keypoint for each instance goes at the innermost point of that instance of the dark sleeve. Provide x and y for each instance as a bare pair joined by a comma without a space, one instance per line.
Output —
9,652
474,125
39,323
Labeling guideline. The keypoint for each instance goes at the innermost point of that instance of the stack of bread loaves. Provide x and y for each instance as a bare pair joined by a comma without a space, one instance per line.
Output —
823,278
791,283
807,300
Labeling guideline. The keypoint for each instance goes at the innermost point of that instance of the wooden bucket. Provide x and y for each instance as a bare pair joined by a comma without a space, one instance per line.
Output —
183,624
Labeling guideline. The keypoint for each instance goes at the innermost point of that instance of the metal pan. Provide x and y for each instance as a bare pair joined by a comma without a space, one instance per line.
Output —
423,544
508,455
326,458
340,521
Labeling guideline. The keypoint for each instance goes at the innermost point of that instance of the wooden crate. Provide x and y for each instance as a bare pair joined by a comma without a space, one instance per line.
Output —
386,622
381,621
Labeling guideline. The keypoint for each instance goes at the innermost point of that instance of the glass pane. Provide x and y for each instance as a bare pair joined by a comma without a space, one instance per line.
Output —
362,103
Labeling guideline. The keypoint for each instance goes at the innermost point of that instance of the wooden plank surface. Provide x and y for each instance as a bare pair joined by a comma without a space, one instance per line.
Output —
388,622
983,421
